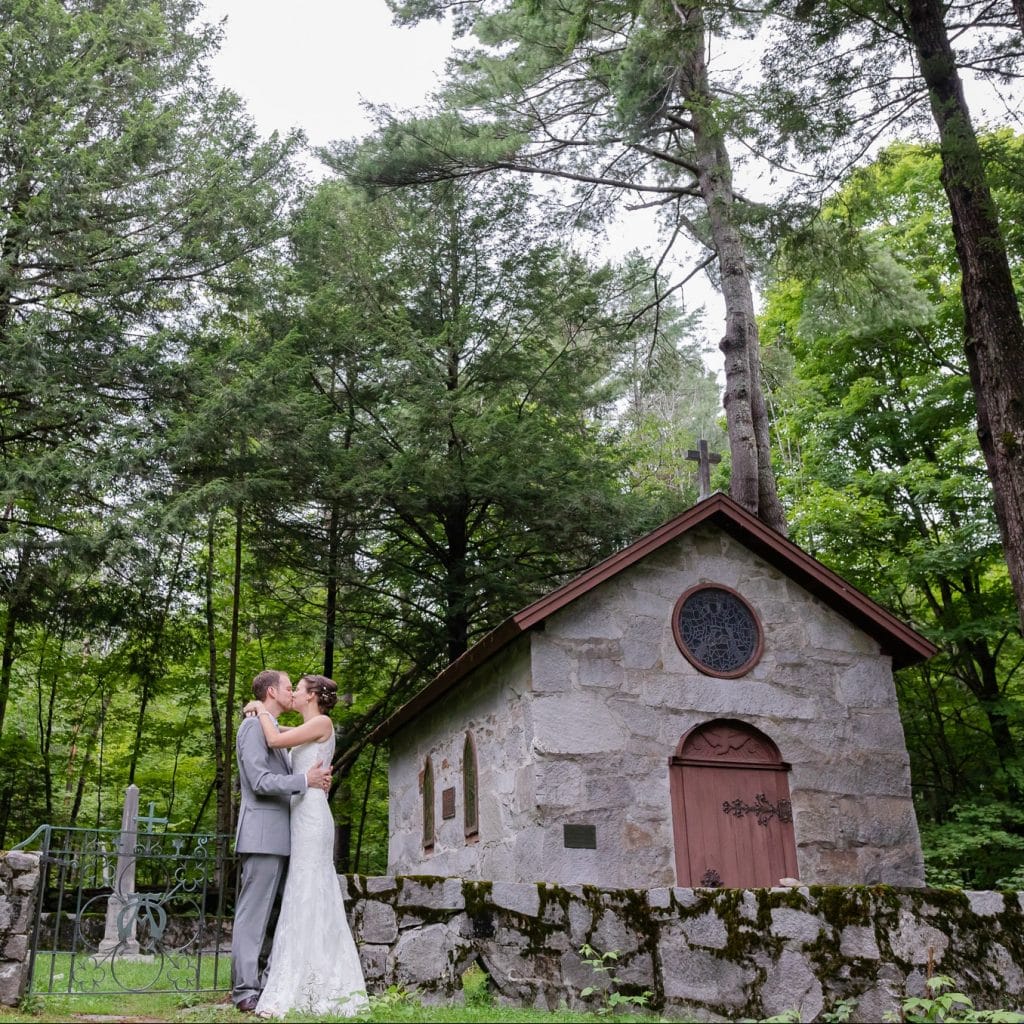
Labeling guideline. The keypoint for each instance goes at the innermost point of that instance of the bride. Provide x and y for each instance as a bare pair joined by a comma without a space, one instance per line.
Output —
314,964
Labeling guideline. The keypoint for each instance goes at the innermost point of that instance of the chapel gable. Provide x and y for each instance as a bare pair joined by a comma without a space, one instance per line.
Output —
709,706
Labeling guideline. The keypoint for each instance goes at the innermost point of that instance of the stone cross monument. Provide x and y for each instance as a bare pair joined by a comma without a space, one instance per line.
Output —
124,882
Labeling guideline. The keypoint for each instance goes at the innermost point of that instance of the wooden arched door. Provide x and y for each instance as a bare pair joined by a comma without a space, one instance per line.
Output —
731,814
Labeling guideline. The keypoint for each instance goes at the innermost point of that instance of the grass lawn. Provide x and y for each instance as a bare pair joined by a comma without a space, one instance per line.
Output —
474,1005
200,1010
91,1004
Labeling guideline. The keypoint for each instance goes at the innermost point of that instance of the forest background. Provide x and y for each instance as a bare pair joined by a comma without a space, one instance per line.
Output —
346,423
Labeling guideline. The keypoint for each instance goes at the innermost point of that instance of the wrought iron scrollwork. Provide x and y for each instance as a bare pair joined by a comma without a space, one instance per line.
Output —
762,807
160,927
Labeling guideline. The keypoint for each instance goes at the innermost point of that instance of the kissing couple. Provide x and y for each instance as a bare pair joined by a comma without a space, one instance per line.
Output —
285,834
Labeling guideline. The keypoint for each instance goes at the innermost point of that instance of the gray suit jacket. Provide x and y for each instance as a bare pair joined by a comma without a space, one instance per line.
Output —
267,787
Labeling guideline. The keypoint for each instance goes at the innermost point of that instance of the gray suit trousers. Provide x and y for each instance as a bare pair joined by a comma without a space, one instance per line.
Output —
262,874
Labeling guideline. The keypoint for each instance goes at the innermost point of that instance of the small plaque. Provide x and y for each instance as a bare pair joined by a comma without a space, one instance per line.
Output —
579,837
448,802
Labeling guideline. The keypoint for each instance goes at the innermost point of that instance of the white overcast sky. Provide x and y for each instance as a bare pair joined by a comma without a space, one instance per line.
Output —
309,63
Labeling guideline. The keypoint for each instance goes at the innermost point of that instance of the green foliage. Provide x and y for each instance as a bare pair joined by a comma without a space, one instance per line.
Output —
134,193
840,1012
394,998
604,964
943,1003
365,456
475,988
887,485
979,845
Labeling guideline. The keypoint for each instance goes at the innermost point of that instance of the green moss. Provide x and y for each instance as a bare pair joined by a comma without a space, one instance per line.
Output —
971,955
843,905
550,894
477,895
428,881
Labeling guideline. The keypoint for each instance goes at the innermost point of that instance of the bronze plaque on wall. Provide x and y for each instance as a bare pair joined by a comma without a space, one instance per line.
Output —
448,802
579,837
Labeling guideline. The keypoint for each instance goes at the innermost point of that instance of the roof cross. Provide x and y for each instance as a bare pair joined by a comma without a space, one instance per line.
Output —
704,458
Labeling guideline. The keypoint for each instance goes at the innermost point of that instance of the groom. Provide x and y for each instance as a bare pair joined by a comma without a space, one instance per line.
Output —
263,835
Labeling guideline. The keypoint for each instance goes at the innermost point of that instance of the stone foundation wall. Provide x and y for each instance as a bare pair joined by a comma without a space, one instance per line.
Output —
581,732
704,954
19,880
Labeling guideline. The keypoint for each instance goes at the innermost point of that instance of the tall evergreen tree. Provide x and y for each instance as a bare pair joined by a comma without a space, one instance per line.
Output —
456,389
127,185
618,99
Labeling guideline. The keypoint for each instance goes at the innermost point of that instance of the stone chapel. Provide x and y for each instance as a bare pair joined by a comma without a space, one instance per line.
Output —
709,706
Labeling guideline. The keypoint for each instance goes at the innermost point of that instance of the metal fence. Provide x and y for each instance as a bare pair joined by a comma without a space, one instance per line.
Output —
148,915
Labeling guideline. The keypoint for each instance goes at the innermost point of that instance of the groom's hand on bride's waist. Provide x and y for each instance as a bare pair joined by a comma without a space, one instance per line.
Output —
319,777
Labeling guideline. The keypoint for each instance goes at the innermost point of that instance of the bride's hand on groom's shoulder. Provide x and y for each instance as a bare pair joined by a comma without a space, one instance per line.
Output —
251,708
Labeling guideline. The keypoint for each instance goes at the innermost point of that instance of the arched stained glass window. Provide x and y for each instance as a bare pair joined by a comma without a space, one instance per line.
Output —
428,805
470,788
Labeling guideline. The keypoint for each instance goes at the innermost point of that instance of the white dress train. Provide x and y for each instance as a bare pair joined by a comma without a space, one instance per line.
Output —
314,963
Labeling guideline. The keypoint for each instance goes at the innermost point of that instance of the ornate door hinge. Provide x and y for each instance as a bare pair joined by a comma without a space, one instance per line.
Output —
764,810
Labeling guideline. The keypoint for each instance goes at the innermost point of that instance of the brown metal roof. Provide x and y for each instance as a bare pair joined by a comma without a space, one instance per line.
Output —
902,643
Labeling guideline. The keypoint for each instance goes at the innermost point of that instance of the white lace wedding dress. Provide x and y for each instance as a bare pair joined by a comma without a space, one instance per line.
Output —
314,964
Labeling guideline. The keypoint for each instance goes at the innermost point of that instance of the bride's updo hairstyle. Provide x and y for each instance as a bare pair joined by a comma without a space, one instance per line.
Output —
326,691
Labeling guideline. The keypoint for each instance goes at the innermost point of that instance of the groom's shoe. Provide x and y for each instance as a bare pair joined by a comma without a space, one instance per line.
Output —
248,1005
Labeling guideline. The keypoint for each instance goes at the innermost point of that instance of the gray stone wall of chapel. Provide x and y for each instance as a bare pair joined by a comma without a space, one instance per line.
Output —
492,707
613,695
575,724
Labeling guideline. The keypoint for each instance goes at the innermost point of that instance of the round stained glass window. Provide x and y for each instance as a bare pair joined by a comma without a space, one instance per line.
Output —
717,631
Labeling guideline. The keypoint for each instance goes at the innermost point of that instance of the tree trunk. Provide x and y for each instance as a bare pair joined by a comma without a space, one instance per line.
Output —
1018,9
333,558
342,793
44,722
154,662
454,514
752,480
140,720
173,788
15,601
363,808
7,658
225,797
994,333
211,674
5,813
456,584
95,736
979,674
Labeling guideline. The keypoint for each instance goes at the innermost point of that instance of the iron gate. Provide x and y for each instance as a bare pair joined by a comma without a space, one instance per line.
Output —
95,931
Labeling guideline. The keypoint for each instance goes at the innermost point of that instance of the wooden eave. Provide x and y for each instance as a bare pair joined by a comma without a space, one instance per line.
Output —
898,640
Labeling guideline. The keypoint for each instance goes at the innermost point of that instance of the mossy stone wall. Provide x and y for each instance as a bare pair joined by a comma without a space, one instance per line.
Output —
707,954
19,883
703,954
